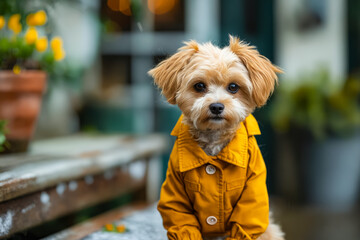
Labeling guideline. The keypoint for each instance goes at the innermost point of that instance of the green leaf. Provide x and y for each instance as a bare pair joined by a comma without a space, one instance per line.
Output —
2,139
318,104
2,134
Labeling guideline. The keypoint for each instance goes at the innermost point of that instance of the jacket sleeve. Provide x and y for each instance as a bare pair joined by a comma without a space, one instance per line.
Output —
175,207
250,217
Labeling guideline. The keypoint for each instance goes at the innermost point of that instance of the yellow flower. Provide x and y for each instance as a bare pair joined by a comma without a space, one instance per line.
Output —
36,19
31,35
59,55
30,19
16,69
41,44
56,44
2,22
14,23
120,228
109,227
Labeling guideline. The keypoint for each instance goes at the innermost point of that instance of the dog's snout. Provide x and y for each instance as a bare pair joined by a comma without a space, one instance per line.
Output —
216,108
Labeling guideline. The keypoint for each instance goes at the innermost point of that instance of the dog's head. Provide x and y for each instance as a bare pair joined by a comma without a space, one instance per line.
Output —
216,88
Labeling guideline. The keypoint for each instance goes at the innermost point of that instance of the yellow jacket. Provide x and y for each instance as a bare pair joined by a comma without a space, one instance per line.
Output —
223,195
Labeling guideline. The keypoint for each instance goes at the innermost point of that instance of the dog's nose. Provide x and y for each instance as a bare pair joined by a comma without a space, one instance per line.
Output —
216,108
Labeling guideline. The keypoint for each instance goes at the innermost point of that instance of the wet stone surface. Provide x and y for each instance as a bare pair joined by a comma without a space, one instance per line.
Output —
146,224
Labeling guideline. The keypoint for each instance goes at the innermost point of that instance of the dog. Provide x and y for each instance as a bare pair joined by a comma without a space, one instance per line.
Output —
215,183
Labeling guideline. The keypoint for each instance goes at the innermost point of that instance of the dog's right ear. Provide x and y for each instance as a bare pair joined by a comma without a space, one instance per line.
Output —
165,74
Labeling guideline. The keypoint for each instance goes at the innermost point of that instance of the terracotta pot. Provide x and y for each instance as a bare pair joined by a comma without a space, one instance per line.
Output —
20,102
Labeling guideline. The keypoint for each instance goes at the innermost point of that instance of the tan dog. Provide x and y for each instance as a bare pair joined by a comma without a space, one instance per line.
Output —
217,89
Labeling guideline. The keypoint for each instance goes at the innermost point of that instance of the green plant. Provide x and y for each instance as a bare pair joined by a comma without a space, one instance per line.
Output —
317,104
2,135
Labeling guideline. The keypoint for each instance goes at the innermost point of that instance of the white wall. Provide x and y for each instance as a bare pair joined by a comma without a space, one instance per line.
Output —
301,52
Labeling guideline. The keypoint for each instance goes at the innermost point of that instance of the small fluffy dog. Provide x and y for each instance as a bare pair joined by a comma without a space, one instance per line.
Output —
215,183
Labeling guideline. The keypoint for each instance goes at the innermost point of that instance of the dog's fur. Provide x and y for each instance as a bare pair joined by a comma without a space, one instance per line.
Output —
216,68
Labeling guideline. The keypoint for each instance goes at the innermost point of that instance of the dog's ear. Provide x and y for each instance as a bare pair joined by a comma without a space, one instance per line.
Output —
262,72
165,74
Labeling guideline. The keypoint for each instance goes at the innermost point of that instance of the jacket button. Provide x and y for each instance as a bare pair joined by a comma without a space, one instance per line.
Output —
210,169
211,220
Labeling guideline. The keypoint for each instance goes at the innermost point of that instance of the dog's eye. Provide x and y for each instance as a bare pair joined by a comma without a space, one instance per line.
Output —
200,87
233,88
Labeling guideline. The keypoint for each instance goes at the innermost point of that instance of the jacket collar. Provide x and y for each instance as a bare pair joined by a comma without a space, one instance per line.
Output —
236,152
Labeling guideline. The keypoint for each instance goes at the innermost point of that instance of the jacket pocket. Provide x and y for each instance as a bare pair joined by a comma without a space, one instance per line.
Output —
192,186
233,193
235,184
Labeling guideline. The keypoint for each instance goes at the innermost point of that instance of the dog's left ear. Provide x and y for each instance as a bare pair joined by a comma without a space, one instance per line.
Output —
262,72
166,73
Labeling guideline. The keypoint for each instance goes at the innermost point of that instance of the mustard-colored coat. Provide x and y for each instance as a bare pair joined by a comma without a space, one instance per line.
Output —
229,198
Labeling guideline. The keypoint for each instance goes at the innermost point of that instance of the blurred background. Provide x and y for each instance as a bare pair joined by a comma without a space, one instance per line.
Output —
310,127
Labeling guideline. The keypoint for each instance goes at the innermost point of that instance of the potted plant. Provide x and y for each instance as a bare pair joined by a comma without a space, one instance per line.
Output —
321,119
25,63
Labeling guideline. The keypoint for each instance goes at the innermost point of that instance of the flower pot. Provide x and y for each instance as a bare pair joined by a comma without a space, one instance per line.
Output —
332,173
20,102
322,173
